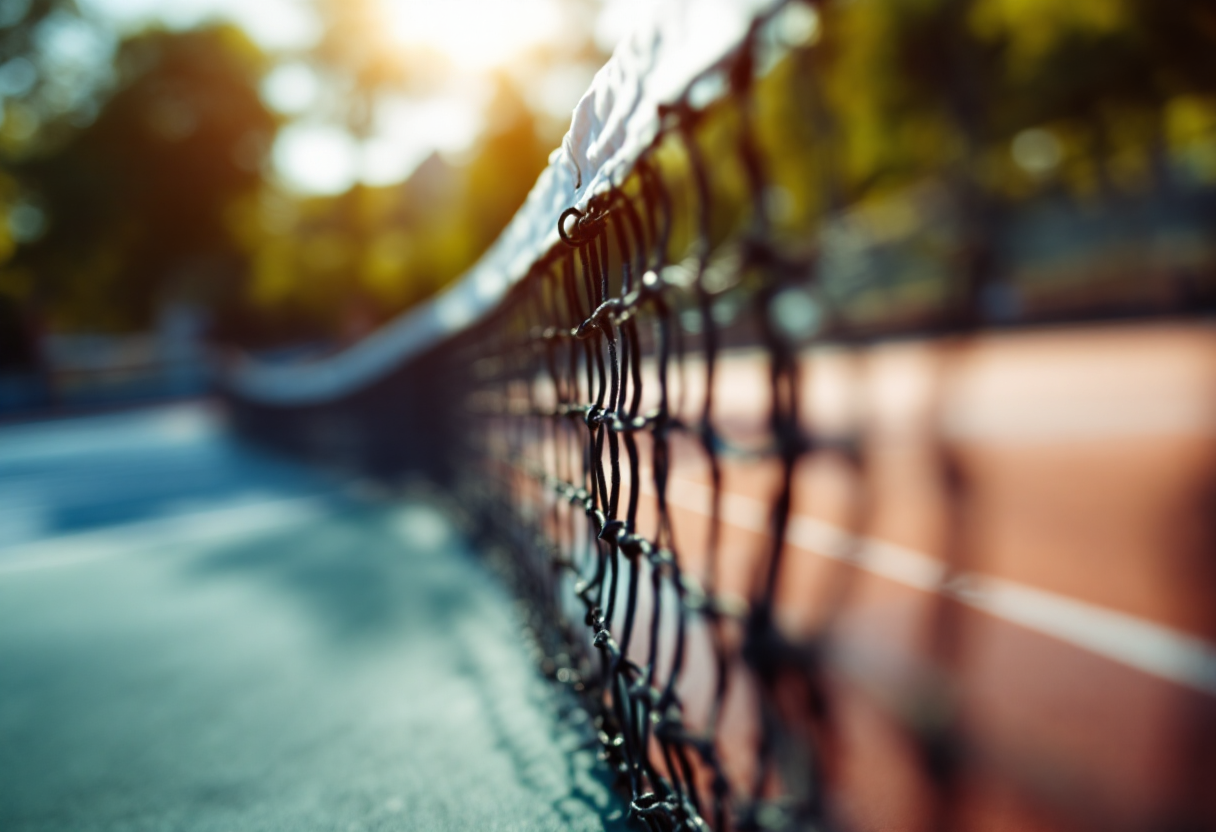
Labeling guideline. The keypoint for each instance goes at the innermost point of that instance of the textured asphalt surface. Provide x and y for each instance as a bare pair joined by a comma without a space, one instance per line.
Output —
194,636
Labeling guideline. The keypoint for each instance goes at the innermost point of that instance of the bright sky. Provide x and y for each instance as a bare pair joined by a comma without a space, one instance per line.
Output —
477,36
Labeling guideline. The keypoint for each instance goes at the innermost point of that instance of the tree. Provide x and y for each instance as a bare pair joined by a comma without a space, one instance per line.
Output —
136,202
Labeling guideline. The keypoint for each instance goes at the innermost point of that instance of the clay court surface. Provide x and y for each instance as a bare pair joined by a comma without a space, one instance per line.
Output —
1055,581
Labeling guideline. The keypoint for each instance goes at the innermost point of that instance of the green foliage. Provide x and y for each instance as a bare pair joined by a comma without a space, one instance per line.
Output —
165,196
135,201
914,148
340,265
894,134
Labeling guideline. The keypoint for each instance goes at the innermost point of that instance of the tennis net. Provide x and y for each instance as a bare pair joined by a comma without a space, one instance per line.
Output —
849,432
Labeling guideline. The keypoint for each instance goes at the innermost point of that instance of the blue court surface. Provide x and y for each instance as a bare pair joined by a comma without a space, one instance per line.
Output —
197,636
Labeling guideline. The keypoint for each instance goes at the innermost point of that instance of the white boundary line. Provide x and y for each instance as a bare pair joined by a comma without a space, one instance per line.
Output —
1127,639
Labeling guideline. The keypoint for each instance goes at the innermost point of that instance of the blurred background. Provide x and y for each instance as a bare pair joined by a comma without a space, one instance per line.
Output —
279,176
185,182
283,176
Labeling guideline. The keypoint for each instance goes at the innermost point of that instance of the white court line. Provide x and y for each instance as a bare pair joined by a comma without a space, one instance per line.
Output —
1130,640
208,526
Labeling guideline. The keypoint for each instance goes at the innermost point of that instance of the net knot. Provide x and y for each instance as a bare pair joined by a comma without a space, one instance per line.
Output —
585,226
658,814
631,545
612,531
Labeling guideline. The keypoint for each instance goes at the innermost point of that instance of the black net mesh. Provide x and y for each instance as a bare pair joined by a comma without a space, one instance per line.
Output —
667,402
